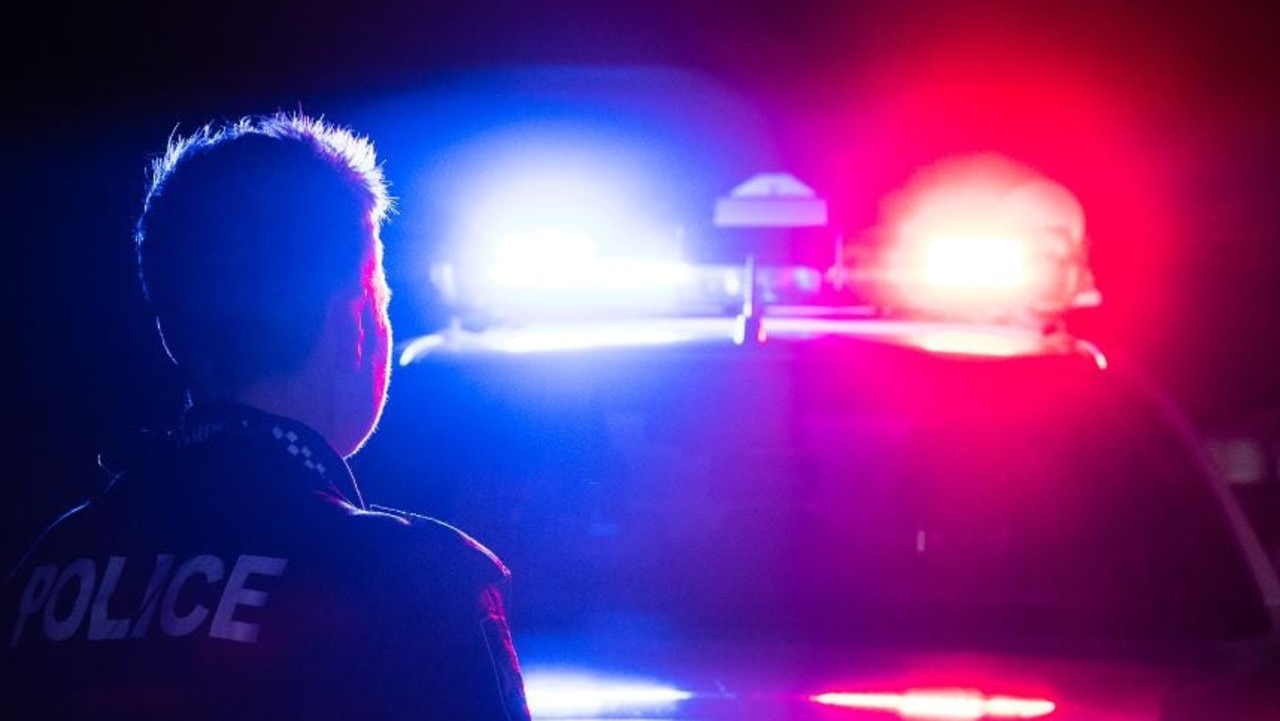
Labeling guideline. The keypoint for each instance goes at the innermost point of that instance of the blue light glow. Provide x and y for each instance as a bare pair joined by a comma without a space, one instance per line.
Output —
575,693
564,224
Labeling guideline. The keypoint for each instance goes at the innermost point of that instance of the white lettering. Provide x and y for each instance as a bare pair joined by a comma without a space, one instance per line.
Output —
84,573
65,597
34,597
173,624
164,562
101,626
236,594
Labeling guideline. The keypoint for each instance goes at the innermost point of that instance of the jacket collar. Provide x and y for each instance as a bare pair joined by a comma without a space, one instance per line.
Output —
205,421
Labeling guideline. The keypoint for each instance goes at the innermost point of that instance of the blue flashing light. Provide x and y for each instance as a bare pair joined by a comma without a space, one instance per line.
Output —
554,229
574,693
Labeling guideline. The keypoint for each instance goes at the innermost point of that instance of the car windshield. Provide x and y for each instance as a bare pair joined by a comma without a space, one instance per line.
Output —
810,492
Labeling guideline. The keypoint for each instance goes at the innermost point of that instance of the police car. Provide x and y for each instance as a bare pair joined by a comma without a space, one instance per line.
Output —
804,475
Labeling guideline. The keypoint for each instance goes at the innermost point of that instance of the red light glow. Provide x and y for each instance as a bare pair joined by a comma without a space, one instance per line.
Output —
985,236
976,263
975,78
942,704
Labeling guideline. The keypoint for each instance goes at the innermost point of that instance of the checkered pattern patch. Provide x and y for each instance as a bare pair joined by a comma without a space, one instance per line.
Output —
297,449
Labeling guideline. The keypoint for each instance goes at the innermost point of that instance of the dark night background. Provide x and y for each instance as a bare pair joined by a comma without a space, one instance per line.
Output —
1164,117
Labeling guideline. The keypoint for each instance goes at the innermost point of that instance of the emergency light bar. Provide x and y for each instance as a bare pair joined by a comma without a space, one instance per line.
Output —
971,240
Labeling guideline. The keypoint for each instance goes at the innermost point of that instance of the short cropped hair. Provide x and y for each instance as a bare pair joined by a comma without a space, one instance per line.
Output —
248,229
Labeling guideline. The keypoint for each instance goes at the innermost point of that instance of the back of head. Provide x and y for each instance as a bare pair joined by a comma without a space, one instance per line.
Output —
248,230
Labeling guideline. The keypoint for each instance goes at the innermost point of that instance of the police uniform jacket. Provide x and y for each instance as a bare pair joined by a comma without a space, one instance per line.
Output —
234,572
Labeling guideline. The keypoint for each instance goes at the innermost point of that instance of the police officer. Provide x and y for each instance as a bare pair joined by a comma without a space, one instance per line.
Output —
231,568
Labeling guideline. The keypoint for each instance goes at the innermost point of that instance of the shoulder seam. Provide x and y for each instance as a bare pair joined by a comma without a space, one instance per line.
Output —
417,519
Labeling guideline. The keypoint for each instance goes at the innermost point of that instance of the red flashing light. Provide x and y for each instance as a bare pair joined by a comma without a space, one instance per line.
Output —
961,269
942,704
984,237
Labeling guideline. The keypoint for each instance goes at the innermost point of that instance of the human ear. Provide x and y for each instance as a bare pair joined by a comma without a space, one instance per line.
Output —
346,329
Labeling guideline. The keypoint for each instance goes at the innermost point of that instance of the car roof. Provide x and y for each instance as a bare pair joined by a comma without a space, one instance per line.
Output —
781,329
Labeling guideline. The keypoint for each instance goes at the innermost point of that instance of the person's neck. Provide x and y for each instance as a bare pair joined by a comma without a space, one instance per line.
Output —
299,397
